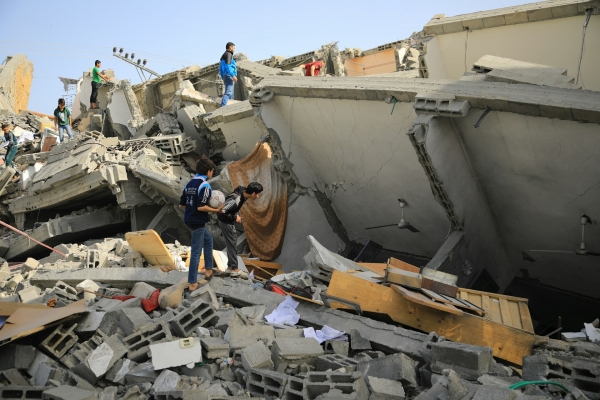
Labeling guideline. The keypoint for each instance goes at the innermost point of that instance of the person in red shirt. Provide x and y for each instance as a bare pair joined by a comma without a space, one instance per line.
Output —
313,68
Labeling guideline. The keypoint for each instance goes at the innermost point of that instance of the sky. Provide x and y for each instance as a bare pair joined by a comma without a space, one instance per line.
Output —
64,38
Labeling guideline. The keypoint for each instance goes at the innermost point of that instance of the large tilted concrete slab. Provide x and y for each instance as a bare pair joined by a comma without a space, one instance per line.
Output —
532,12
568,104
382,336
116,277
67,229
101,180
231,113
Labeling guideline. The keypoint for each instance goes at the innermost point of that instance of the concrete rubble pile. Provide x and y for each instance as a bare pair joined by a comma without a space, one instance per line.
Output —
140,335
94,253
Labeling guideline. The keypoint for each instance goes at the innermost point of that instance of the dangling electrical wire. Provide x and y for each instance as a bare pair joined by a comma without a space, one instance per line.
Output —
585,24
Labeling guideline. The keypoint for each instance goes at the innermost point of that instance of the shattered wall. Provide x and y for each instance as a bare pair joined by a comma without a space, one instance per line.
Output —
15,83
123,110
358,154
536,42
539,175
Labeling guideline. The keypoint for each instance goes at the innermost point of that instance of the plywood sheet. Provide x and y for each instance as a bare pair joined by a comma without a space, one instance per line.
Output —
420,298
151,246
508,310
508,343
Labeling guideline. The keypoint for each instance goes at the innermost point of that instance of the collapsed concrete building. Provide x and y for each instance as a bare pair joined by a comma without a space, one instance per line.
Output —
467,157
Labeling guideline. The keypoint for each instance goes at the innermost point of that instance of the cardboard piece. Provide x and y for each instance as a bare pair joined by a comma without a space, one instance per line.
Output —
25,320
7,309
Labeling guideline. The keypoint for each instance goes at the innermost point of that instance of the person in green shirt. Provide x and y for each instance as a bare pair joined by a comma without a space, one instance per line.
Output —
62,119
96,75
11,149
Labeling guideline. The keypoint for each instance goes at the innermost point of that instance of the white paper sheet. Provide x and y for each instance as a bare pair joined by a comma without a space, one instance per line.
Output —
324,334
285,313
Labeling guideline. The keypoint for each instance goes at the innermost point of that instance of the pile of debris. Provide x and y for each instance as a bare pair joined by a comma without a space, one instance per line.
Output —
112,319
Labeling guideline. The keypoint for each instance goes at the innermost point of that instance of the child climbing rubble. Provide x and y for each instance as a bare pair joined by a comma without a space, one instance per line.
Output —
194,200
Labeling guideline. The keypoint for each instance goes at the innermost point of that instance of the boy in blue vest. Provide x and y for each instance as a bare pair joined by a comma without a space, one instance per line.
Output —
194,200
228,72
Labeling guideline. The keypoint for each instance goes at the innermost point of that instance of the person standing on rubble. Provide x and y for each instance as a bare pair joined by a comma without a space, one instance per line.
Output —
11,149
96,83
229,215
228,72
313,68
62,119
194,201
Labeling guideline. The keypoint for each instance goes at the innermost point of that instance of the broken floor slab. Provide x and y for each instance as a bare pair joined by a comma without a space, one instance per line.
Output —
381,335
73,227
99,184
125,278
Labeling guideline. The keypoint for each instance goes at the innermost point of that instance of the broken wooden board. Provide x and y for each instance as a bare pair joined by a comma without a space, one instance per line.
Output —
394,262
507,310
438,287
508,343
420,298
151,246
264,269
403,277
378,268
456,302
26,321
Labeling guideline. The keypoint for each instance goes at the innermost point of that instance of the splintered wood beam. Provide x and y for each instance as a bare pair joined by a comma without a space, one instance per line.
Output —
508,343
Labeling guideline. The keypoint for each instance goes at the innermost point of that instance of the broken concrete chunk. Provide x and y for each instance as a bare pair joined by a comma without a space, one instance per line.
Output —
166,381
142,289
89,287
68,393
396,367
469,361
132,319
257,355
386,389
213,347
299,351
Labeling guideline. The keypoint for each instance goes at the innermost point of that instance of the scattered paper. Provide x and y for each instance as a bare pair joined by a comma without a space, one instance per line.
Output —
325,333
285,313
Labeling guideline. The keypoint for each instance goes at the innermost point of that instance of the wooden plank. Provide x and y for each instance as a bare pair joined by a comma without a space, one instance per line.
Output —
477,292
525,317
485,304
435,296
495,314
404,278
151,246
394,262
515,314
508,343
439,287
378,268
505,312
419,298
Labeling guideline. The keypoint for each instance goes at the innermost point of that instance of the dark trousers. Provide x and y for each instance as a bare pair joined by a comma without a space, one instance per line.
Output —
94,96
230,236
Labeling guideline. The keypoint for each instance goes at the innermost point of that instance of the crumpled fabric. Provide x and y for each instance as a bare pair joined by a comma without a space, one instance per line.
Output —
265,218
285,313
